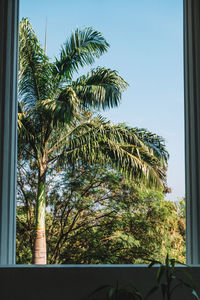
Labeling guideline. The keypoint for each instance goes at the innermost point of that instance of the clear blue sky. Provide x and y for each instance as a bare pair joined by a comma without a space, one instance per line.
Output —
146,48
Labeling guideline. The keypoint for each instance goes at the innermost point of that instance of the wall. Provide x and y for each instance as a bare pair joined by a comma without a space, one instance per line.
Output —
77,282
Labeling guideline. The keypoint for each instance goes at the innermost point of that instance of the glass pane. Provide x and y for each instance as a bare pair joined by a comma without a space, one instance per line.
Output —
107,188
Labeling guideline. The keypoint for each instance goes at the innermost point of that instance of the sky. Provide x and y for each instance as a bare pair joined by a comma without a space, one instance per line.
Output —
146,48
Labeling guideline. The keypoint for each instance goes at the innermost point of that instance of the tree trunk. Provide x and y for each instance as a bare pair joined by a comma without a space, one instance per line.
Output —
40,252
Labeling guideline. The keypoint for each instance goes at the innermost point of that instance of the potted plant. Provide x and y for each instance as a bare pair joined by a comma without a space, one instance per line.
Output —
168,280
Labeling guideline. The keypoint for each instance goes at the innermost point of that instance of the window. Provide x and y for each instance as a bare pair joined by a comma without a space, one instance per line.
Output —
52,282
153,60
9,25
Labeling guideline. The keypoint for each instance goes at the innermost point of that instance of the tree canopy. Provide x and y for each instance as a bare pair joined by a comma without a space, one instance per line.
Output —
95,215
57,124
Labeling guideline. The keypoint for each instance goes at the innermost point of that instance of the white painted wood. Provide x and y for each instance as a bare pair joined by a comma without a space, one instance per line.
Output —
192,126
8,120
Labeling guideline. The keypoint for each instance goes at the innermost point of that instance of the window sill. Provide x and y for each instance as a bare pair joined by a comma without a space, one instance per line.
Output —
76,282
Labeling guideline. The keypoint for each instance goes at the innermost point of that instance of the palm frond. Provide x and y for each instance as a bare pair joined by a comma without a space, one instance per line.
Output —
52,117
62,110
116,146
155,143
26,133
101,88
79,50
35,71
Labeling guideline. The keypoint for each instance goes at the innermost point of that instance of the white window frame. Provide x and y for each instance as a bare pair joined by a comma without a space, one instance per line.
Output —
192,127
9,19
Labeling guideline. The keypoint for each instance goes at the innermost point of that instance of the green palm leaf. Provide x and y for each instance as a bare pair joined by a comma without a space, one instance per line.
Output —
101,88
34,69
79,50
97,140
62,110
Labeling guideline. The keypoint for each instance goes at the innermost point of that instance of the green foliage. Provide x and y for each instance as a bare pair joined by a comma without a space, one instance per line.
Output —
118,292
169,278
89,88
58,136
53,111
24,237
96,216
79,50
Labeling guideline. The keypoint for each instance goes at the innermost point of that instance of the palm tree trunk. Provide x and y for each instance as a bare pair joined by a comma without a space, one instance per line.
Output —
40,252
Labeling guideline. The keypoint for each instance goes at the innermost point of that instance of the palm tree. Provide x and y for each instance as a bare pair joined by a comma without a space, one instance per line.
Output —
56,124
